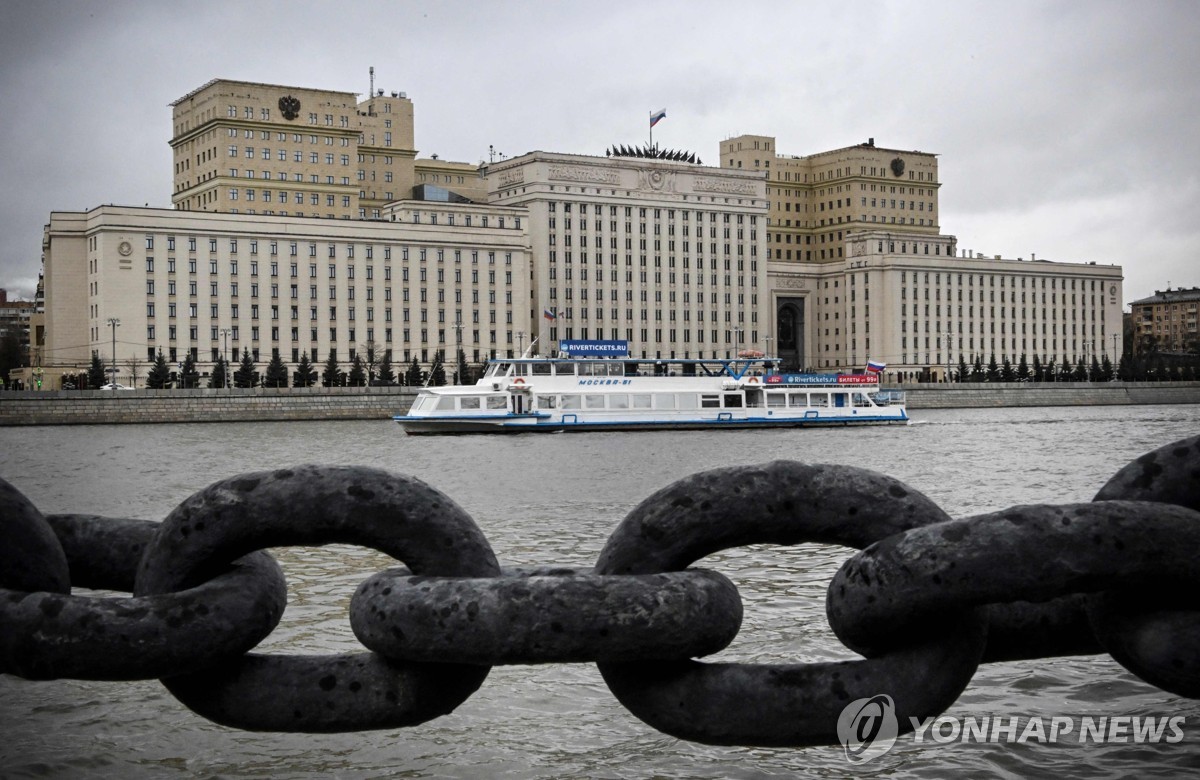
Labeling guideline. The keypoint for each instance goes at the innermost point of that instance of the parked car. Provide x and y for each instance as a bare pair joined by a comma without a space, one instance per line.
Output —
68,386
114,386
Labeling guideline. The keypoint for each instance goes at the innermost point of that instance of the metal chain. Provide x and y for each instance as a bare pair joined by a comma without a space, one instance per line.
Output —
926,600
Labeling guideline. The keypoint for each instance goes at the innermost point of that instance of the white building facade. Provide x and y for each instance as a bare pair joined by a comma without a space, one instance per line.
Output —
429,278
666,255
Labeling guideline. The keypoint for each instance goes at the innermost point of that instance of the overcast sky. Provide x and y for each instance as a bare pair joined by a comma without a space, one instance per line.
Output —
1066,129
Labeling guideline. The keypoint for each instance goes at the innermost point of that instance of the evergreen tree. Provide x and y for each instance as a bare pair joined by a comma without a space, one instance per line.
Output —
1022,369
977,369
437,375
10,354
160,373
305,375
964,373
1106,370
188,376
1051,372
358,375
1125,369
219,376
277,374
96,376
1039,371
245,375
330,375
1173,374
1094,370
370,358
993,370
386,375
413,377
460,368
1081,373
1006,371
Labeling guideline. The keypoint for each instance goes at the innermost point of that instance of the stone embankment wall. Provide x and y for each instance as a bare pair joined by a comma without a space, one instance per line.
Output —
73,407
983,394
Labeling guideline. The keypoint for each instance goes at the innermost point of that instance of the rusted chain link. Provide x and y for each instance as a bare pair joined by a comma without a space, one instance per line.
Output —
926,600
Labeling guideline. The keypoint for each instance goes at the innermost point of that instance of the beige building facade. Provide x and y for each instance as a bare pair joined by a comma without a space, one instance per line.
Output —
1167,321
248,148
915,305
817,200
665,255
425,278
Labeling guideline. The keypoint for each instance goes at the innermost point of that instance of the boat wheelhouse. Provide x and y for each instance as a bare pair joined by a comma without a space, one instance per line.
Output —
546,394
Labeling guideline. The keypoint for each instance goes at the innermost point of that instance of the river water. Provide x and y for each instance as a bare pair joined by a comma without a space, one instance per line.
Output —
554,499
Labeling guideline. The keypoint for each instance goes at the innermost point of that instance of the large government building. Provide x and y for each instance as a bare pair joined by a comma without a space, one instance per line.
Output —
305,222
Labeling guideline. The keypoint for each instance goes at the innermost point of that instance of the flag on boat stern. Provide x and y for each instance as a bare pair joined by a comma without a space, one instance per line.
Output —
658,116
548,314
875,367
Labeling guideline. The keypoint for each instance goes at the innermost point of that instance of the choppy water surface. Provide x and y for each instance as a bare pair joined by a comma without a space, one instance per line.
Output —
554,500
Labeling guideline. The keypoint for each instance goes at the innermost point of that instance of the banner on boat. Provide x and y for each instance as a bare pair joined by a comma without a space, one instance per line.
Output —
616,348
823,379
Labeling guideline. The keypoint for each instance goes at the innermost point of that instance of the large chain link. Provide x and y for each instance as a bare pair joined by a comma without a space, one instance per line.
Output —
926,600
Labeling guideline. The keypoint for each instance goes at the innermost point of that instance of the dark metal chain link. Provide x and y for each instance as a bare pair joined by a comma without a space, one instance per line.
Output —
926,600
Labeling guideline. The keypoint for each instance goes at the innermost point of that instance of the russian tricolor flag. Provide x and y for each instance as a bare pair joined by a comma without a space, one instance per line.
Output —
875,367
658,116
548,314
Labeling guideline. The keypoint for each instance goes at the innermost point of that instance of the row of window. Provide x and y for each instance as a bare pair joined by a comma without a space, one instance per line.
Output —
348,251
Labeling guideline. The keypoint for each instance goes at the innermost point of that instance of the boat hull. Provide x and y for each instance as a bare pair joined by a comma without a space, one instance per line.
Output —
431,426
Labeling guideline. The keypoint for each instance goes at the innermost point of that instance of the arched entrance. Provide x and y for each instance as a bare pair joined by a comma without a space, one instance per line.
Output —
789,316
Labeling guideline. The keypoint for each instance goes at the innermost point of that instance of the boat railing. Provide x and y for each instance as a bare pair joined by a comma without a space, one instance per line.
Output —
889,398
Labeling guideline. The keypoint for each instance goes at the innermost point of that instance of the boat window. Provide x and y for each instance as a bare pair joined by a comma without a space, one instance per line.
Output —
640,401
618,401
502,369
540,369
469,402
593,402
497,402
664,401
818,399
733,400
710,401
564,369
594,368
777,400
546,401
571,402
859,399
616,369
445,403
797,399
423,403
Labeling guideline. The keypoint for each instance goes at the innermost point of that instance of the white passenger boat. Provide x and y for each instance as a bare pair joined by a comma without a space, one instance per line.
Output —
575,393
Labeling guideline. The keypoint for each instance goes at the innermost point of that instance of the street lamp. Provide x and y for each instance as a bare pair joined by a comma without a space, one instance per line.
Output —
767,342
737,339
225,333
114,322
948,337
458,363
520,343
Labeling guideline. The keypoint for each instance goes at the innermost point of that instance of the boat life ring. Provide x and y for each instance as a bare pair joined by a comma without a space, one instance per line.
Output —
518,381
752,380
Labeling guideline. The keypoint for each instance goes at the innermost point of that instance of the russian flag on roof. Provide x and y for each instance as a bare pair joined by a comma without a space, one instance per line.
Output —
658,116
